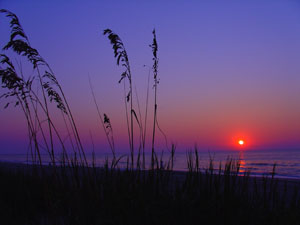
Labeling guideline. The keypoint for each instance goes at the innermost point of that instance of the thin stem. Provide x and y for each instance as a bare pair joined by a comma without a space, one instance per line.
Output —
48,115
126,111
146,114
141,129
110,142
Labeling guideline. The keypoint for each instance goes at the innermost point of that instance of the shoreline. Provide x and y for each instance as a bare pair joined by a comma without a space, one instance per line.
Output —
177,173
252,174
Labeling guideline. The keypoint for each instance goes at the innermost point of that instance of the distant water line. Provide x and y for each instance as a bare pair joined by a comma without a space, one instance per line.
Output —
258,162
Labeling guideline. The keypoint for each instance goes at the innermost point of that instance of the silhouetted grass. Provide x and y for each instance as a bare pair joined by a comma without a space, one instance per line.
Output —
154,47
122,59
88,195
23,91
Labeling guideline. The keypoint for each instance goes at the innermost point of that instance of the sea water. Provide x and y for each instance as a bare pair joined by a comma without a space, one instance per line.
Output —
258,162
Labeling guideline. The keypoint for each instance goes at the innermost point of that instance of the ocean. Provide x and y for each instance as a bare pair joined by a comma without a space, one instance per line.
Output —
259,162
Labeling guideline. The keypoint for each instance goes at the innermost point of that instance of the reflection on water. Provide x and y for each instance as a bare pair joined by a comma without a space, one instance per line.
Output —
242,162
258,162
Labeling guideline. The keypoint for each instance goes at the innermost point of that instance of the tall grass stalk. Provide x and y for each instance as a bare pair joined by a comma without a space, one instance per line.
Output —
154,47
146,117
142,136
122,57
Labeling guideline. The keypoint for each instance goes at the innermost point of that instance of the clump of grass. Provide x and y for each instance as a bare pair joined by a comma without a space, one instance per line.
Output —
122,59
114,196
24,91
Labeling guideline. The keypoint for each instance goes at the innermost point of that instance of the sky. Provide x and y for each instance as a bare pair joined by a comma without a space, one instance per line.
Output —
228,70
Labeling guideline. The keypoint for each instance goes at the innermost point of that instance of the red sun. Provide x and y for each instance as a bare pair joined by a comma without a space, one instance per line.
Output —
241,142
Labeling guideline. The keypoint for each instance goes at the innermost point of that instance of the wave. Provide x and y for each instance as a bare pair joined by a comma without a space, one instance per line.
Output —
261,164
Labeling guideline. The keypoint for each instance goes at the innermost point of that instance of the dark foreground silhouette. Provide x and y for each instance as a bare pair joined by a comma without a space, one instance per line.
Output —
90,195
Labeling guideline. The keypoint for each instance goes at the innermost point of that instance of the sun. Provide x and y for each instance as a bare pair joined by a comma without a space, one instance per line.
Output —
241,142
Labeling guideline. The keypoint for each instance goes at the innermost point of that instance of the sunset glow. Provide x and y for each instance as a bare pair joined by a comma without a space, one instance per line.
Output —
224,86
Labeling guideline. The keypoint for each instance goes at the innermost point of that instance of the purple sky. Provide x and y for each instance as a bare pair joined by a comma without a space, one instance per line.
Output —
227,70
